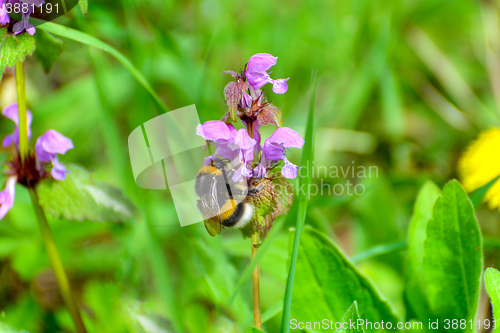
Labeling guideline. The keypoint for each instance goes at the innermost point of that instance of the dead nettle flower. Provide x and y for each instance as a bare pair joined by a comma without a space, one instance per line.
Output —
4,15
253,161
22,7
37,163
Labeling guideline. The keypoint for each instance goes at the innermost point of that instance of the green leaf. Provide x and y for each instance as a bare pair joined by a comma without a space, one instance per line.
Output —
48,49
84,6
422,213
351,315
80,198
452,256
15,48
307,157
492,284
326,284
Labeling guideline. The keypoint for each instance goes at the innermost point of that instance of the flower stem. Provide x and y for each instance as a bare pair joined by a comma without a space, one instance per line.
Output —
255,284
56,263
21,104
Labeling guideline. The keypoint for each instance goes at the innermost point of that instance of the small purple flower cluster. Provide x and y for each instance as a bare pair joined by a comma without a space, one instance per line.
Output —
243,147
24,7
35,166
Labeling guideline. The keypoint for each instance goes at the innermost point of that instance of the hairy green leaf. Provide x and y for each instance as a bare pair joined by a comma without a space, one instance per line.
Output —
351,315
48,49
326,284
415,284
15,48
452,256
492,284
80,198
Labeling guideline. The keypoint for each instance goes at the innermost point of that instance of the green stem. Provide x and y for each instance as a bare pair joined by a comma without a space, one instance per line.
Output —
255,284
21,105
56,263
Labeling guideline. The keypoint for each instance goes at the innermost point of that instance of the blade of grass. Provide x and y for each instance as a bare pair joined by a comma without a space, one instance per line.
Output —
307,156
451,79
83,38
272,311
379,250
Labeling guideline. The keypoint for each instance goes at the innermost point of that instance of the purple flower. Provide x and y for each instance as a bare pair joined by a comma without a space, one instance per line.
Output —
48,146
7,196
12,113
275,149
214,130
257,75
246,100
4,16
259,171
24,24
26,7
236,146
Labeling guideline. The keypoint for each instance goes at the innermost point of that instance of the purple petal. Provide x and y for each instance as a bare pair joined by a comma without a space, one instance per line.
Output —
287,137
289,170
12,113
237,175
58,171
246,172
18,27
11,139
50,144
242,171
274,151
261,62
4,16
225,150
243,140
258,79
214,130
280,86
246,101
7,196
208,160
259,171
31,30
232,130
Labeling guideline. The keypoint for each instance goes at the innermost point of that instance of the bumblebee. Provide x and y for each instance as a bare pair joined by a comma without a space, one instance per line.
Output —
222,201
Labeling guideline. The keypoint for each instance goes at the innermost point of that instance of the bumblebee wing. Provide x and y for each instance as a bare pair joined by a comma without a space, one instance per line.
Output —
215,199
213,226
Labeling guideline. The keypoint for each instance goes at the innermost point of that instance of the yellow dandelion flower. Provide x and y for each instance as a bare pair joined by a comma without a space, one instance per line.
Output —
480,164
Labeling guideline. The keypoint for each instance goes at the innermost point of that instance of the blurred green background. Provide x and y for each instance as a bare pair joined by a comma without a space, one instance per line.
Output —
402,85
